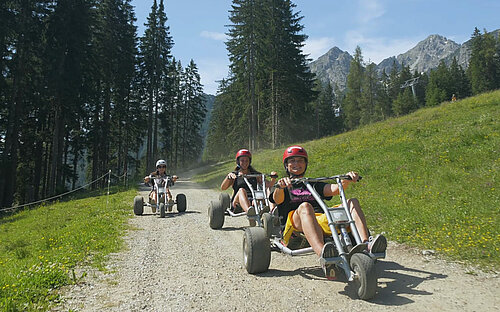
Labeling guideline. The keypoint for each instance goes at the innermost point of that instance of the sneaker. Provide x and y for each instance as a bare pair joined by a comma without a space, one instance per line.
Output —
251,212
329,251
377,244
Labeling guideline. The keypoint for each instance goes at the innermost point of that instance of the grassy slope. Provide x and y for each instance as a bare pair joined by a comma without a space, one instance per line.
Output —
431,179
39,248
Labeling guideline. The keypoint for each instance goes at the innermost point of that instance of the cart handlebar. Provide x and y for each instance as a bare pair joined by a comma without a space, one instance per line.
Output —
258,175
335,177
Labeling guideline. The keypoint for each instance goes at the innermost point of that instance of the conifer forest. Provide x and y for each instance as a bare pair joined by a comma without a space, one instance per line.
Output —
81,93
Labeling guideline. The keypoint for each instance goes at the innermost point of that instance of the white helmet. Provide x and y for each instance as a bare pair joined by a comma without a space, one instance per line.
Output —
161,162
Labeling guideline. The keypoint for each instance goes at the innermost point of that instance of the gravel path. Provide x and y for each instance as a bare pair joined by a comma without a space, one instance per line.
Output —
178,263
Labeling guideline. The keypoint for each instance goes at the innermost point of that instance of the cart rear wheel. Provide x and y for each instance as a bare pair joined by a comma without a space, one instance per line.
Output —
225,200
215,215
162,210
138,205
181,202
268,224
256,250
365,275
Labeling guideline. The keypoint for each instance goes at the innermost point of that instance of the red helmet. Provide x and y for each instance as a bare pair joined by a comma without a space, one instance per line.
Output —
294,151
243,152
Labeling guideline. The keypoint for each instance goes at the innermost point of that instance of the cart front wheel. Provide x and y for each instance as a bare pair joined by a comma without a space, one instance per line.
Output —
256,250
365,275
181,202
215,215
162,210
138,205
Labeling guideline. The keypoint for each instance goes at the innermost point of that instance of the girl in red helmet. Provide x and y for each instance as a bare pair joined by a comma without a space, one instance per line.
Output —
299,211
241,192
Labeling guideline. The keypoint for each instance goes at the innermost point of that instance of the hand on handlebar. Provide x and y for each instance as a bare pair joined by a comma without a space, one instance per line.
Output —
231,176
354,176
285,182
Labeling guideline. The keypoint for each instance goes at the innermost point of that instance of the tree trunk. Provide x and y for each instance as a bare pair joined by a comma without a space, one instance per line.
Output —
149,150
38,169
155,134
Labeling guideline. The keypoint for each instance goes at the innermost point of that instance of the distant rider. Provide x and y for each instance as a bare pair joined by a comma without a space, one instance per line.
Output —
161,168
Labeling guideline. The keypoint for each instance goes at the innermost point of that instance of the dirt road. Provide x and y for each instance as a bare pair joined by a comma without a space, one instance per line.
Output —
179,264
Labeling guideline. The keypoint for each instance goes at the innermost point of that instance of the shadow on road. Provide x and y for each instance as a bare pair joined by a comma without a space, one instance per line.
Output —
168,214
310,273
399,281
233,228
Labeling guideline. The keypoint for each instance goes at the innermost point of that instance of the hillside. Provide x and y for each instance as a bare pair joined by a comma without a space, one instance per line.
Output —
431,178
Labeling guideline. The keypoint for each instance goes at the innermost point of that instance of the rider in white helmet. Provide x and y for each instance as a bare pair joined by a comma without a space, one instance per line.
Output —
161,168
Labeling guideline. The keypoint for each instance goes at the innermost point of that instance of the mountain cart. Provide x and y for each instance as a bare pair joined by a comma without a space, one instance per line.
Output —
219,209
352,258
163,205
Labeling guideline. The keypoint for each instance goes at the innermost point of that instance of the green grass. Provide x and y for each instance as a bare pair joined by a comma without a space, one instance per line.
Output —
430,179
40,248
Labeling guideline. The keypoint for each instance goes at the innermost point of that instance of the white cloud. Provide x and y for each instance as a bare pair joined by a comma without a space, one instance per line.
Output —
211,71
376,49
213,35
315,47
369,10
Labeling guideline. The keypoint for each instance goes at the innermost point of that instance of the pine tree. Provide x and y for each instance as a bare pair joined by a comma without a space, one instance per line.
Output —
383,108
404,103
369,95
324,120
268,70
483,66
291,80
194,115
352,102
242,48
222,138
420,87
439,86
394,86
459,83
68,36
127,108
22,53
155,58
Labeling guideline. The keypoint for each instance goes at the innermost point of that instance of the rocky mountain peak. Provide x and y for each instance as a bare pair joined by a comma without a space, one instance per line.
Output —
425,56
334,65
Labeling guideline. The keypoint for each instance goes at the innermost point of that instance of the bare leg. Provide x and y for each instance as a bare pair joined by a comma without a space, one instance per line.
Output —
359,218
304,220
242,199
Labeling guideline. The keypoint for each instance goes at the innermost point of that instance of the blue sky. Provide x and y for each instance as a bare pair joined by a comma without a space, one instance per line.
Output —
382,28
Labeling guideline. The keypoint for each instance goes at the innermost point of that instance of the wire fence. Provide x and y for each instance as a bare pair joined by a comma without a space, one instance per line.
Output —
108,174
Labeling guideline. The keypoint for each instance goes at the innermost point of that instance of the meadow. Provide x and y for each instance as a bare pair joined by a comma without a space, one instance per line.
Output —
430,179
41,248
